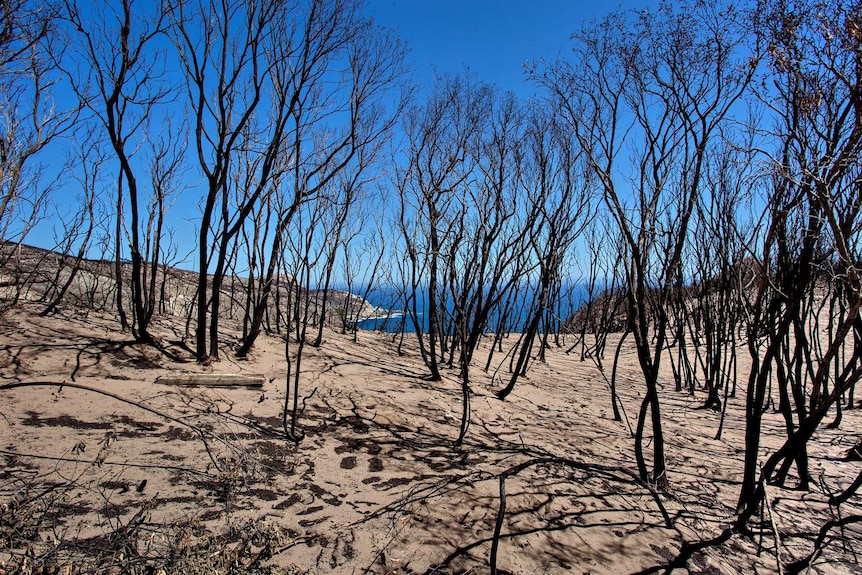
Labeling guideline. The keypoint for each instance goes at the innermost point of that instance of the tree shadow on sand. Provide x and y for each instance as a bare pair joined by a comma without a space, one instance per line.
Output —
547,495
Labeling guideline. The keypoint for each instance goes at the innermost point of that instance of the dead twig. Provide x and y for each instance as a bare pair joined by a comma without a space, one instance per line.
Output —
774,527
113,463
200,431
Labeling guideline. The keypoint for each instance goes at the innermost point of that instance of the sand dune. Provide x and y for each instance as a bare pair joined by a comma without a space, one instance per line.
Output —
124,474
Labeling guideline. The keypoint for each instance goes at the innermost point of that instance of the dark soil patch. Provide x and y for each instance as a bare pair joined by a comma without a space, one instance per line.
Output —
210,515
33,420
663,552
318,491
310,510
121,486
166,456
444,460
322,494
170,457
274,457
347,551
177,499
64,510
114,511
264,494
271,422
396,482
138,425
13,465
292,500
308,473
177,433
354,444
356,423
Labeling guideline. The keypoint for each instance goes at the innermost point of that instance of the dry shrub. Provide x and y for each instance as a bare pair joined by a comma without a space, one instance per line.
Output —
139,547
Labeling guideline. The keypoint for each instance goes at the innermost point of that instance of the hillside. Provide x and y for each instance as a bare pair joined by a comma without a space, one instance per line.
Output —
107,471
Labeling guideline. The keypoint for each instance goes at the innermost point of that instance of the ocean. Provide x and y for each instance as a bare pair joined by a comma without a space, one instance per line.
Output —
393,299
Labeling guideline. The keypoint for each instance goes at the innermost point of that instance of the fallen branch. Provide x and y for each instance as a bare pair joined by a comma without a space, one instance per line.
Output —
212,379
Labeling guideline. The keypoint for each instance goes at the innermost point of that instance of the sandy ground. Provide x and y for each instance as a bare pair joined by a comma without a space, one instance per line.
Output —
154,474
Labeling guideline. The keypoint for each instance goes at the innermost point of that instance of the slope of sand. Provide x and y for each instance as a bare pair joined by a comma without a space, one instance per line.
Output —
374,485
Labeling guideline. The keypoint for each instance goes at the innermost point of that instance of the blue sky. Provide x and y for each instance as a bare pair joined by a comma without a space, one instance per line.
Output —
493,38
